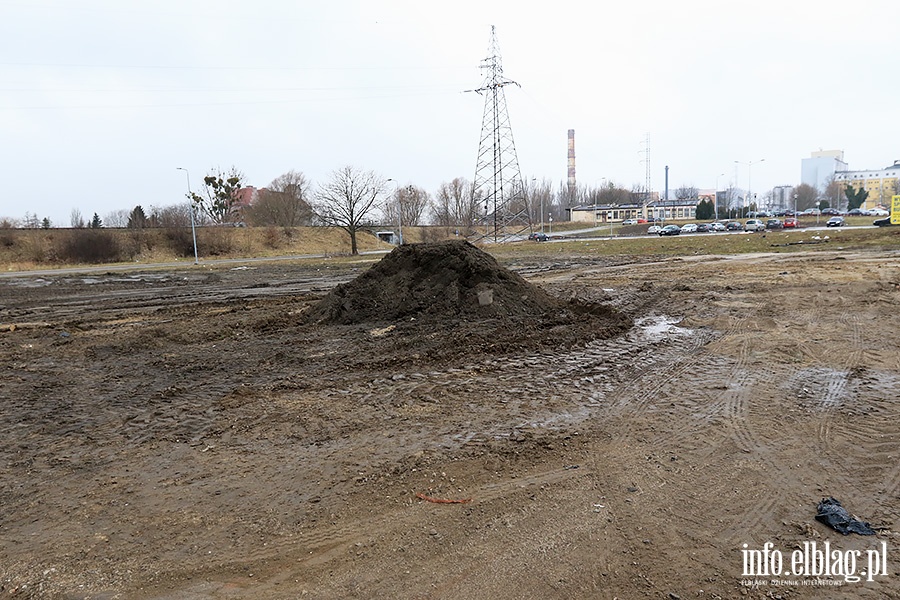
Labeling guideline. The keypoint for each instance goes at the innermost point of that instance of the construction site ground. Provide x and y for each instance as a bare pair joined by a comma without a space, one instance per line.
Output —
188,434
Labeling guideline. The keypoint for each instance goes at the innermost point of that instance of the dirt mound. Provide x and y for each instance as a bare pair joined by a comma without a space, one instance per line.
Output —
444,280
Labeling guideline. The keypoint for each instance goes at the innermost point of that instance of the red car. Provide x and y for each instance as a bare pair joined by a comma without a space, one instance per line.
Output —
790,222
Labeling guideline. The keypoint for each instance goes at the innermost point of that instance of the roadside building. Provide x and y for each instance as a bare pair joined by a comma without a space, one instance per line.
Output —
666,210
881,184
605,213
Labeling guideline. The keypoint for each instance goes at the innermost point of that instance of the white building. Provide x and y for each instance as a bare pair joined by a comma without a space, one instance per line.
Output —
820,167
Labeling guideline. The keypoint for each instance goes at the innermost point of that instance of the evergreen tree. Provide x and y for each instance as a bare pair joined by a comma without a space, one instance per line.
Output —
705,210
137,219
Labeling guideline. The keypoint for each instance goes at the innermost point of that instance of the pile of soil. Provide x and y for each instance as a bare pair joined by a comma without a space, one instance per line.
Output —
451,279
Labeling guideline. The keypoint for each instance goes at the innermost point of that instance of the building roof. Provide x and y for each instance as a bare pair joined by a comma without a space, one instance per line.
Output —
671,203
606,206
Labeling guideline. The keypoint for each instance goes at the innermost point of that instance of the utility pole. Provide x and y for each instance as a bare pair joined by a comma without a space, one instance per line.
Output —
498,180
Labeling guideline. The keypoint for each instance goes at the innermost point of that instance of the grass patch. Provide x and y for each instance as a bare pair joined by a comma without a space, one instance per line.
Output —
886,238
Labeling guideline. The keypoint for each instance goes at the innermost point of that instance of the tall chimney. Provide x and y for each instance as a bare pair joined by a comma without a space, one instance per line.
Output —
571,156
667,182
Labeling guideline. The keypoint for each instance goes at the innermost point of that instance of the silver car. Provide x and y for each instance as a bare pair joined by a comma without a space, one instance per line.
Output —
754,225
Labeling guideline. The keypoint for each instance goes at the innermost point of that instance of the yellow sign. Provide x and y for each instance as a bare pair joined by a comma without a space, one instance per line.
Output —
895,210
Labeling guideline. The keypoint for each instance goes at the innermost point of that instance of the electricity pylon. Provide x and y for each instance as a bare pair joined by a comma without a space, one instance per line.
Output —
498,190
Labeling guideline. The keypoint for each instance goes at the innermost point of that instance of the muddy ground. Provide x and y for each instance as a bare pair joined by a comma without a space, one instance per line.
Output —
187,434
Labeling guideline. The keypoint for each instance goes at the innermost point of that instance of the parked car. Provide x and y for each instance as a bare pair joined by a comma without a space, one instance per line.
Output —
754,225
670,230
885,222
702,228
653,229
774,224
879,212
855,213
734,226
689,228
630,222
537,236
789,222
831,211
717,226
835,222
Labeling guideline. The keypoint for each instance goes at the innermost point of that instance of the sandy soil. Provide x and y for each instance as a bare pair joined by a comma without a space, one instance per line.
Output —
188,435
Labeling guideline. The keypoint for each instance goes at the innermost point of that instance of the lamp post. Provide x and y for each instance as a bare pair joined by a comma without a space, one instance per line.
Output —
399,206
749,164
191,204
534,191
716,198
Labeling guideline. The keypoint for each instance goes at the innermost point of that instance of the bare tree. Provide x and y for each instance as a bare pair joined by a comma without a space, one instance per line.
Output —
117,218
540,197
834,193
31,221
75,219
347,200
172,216
284,203
221,195
687,192
806,196
568,198
455,205
610,193
411,201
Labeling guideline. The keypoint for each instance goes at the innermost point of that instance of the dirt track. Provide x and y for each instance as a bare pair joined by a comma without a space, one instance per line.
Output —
188,435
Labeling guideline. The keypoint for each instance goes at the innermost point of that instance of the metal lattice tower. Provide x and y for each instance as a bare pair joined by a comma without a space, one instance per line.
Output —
498,187
648,195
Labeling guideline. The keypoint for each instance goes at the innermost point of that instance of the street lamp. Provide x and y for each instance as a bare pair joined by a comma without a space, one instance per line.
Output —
749,176
716,198
191,204
399,205
534,190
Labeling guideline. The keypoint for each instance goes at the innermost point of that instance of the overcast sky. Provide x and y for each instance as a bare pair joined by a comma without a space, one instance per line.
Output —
101,100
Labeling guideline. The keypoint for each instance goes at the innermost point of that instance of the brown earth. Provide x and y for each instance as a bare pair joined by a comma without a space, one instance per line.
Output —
190,434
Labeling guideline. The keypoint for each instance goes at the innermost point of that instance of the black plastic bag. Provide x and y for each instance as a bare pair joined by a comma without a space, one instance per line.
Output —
836,516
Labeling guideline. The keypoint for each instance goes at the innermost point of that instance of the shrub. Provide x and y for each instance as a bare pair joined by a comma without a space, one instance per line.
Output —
90,246
216,241
180,241
272,237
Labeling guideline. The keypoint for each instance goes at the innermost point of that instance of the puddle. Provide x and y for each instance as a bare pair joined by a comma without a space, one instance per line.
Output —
659,326
30,283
